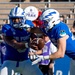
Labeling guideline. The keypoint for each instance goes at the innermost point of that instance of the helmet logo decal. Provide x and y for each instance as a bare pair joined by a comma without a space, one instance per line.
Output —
62,33
50,14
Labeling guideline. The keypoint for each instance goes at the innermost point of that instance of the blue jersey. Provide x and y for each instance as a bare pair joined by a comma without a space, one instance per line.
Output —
20,36
57,32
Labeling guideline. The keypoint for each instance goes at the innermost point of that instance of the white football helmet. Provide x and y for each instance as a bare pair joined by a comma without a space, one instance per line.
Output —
17,12
50,18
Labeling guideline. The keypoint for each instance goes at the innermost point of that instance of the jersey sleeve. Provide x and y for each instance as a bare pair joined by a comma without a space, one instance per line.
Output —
61,31
6,30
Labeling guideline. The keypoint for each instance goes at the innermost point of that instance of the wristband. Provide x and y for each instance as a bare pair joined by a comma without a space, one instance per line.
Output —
46,57
26,45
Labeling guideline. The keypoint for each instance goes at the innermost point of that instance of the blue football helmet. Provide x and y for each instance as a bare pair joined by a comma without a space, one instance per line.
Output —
15,13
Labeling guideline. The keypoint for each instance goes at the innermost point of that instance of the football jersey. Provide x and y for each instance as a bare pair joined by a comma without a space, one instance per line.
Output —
20,36
59,31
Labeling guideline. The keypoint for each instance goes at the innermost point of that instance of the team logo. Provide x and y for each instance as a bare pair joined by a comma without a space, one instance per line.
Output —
62,33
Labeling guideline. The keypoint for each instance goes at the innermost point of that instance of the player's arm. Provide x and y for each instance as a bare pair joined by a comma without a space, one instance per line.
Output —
38,52
61,48
51,64
13,43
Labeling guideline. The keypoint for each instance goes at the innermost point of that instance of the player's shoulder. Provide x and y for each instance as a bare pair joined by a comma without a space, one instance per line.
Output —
61,26
7,26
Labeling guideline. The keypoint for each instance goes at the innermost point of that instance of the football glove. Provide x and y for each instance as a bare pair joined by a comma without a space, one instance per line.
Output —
40,58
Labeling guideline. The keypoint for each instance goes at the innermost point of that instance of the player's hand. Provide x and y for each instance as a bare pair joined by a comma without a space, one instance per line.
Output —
32,54
39,59
33,44
32,50
33,57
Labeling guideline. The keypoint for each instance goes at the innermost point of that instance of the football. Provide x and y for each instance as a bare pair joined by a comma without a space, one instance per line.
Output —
40,43
37,44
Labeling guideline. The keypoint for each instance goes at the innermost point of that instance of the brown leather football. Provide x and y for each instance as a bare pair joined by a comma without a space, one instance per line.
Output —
37,44
40,43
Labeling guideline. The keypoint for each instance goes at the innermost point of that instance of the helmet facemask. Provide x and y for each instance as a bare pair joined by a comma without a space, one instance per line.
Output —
17,22
17,17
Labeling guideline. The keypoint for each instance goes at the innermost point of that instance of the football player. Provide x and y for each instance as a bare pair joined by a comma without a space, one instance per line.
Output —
16,36
60,35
